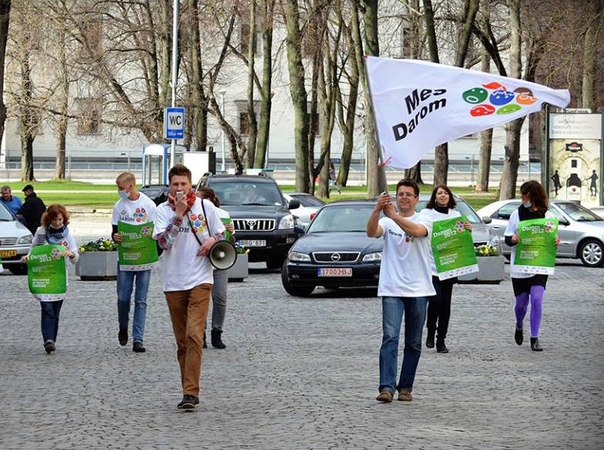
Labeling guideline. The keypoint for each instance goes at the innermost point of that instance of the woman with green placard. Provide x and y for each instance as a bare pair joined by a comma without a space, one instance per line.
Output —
52,232
527,286
441,206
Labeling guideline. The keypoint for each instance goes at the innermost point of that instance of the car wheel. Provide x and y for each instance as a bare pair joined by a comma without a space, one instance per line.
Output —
592,253
275,262
18,269
297,291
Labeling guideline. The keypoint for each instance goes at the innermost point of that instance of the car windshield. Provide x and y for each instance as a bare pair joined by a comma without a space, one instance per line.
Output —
307,200
348,218
5,215
578,212
235,193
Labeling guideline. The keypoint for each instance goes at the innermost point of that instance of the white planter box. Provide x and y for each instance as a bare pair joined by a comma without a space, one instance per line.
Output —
239,271
491,270
94,266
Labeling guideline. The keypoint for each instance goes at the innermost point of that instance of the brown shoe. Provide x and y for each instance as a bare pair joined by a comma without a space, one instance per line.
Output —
385,396
404,396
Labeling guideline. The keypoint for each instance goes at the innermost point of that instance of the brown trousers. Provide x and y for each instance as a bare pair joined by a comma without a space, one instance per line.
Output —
188,311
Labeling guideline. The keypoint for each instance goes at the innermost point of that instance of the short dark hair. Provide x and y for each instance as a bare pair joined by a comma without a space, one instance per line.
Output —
410,183
179,170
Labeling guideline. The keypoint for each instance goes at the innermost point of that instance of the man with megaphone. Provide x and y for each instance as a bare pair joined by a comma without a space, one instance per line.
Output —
181,229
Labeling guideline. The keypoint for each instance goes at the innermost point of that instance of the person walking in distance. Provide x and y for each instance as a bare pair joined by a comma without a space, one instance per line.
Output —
441,206
181,229
221,279
133,208
527,287
32,209
405,284
333,178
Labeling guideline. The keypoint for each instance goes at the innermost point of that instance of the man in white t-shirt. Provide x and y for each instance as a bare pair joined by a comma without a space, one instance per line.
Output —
135,208
405,285
187,227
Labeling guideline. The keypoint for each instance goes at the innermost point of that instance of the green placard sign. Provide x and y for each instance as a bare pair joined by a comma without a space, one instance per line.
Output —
536,251
453,248
46,273
138,250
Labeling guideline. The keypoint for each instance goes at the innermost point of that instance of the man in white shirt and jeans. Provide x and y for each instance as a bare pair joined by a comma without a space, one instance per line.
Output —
405,285
187,227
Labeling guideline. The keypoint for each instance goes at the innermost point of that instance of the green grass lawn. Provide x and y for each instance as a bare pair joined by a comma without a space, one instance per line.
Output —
103,196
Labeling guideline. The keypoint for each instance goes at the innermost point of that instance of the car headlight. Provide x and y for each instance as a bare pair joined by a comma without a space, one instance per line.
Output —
25,240
287,222
372,257
299,257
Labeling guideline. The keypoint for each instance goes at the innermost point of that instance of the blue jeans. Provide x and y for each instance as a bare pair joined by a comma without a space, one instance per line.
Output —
50,320
125,283
414,311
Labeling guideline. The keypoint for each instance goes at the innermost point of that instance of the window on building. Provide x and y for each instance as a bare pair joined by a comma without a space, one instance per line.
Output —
89,115
244,36
91,36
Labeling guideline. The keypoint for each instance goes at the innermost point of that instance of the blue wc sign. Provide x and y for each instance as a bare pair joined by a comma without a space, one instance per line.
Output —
174,123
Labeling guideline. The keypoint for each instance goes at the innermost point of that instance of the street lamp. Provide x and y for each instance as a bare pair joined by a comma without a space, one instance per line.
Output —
223,169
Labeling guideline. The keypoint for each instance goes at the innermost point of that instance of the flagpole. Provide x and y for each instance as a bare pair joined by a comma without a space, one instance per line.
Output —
375,126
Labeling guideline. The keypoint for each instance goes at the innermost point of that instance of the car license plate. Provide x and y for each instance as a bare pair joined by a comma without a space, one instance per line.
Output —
8,253
335,272
252,243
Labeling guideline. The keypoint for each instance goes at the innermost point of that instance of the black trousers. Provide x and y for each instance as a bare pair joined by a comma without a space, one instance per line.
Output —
439,307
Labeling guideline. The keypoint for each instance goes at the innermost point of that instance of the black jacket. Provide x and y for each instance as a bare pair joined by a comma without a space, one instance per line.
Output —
31,211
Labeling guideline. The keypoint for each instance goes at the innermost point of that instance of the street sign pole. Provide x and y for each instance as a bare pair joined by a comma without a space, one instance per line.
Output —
174,71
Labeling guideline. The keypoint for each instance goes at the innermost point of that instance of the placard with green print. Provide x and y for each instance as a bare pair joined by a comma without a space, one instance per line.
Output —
46,273
453,248
536,251
138,250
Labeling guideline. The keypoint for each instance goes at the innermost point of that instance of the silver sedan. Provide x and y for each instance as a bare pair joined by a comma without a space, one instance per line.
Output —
581,232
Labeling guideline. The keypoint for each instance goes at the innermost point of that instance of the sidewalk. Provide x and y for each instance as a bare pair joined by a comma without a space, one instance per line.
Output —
302,373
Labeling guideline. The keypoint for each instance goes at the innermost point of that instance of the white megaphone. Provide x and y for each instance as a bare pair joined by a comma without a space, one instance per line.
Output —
223,255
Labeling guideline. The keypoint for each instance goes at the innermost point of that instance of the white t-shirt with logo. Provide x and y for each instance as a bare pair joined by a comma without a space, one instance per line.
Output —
435,216
405,268
182,269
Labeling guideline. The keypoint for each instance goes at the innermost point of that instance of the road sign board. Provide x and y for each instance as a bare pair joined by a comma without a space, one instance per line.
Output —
174,123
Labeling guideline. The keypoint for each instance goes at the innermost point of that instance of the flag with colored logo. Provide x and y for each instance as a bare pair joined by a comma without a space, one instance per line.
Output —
536,251
419,105
46,272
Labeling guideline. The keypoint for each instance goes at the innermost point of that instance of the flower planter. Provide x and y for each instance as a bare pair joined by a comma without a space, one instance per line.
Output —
94,266
491,270
239,271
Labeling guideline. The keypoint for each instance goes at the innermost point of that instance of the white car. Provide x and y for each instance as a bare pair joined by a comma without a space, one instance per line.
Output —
309,205
581,232
15,241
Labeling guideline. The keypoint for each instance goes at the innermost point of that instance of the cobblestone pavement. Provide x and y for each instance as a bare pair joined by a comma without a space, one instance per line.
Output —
302,373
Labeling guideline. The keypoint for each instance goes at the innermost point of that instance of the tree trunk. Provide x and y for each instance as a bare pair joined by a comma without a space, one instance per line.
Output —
62,119
484,161
298,93
4,21
376,175
251,110
590,50
261,157
512,140
441,164
199,102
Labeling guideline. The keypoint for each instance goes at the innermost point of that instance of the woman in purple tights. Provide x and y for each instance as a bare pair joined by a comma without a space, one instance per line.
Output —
527,287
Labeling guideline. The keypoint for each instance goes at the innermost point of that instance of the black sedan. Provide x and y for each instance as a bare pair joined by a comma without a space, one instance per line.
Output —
335,251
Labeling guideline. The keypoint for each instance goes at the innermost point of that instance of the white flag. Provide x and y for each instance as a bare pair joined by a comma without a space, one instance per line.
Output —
419,105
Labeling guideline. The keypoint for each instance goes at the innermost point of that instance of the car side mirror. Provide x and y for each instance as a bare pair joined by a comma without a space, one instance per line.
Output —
563,221
293,204
487,219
